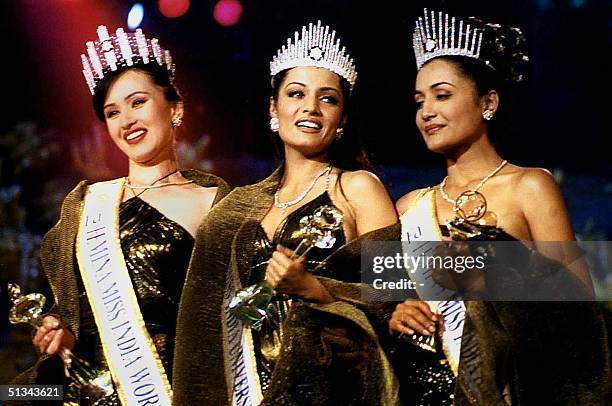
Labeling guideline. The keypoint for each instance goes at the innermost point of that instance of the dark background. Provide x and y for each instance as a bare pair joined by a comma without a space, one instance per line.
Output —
50,138
223,71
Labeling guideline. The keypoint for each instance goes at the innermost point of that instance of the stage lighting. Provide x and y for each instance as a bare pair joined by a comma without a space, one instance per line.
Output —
227,12
173,8
135,16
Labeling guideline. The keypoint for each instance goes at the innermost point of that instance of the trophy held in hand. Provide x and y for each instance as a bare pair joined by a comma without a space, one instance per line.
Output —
251,304
93,384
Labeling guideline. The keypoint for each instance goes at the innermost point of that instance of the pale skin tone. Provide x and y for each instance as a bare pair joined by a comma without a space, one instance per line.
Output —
310,109
527,201
139,121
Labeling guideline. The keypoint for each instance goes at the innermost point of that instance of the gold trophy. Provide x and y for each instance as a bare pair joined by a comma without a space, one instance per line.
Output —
472,219
93,384
251,304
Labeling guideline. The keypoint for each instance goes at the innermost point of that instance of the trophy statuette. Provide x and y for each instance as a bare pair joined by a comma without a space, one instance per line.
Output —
250,305
93,384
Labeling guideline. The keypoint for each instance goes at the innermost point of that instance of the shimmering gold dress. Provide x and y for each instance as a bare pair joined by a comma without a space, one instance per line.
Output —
267,341
157,252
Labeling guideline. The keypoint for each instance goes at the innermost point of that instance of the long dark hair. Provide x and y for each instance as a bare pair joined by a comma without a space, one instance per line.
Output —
158,75
348,152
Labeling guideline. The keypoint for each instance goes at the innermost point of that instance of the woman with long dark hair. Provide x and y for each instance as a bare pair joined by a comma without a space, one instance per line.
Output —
283,359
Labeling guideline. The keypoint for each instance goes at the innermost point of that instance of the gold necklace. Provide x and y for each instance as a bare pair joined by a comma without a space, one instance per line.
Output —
484,180
153,185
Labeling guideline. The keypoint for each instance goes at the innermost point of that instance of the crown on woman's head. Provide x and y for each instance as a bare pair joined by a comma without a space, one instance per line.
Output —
434,37
500,47
316,47
110,53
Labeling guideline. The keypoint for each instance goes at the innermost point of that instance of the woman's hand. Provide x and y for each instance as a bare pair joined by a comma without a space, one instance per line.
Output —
52,337
413,316
290,276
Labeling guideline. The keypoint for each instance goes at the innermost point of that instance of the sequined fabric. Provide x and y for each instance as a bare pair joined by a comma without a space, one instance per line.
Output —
426,378
267,341
434,383
57,257
302,374
157,252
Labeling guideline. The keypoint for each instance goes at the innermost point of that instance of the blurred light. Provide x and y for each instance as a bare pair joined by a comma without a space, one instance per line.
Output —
578,3
227,12
135,16
173,8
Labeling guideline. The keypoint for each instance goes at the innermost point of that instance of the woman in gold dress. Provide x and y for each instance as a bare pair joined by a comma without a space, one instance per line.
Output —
258,227
147,224
496,352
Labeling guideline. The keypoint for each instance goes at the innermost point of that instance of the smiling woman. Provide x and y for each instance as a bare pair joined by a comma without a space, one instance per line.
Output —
143,227
309,106
139,117
282,359
491,352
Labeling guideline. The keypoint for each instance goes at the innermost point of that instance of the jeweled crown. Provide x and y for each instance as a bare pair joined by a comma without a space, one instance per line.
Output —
124,49
438,34
318,47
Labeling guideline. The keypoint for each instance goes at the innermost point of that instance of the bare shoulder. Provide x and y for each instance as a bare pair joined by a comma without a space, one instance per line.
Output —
536,182
360,181
539,196
368,201
542,204
362,186
404,202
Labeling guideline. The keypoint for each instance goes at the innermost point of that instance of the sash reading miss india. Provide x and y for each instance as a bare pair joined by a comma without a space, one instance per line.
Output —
136,368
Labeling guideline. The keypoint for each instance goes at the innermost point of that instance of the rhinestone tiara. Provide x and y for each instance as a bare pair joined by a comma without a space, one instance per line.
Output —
315,47
123,49
438,34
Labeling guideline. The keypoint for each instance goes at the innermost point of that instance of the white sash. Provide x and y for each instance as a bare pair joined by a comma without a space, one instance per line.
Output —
244,379
132,358
420,224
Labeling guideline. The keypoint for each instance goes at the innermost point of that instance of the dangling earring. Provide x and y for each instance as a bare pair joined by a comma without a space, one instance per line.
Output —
487,115
274,125
339,132
177,121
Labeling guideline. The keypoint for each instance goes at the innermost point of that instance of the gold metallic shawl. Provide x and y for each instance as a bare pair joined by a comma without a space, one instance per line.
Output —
200,368
59,264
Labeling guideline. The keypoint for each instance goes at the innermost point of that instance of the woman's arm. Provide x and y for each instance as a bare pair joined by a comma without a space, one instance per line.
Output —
544,209
543,206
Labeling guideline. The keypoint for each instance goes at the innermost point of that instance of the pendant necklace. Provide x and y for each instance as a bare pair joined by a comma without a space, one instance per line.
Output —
480,208
144,188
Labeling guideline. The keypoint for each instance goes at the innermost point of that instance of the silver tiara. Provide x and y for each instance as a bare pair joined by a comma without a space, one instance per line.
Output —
110,53
443,35
316,47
